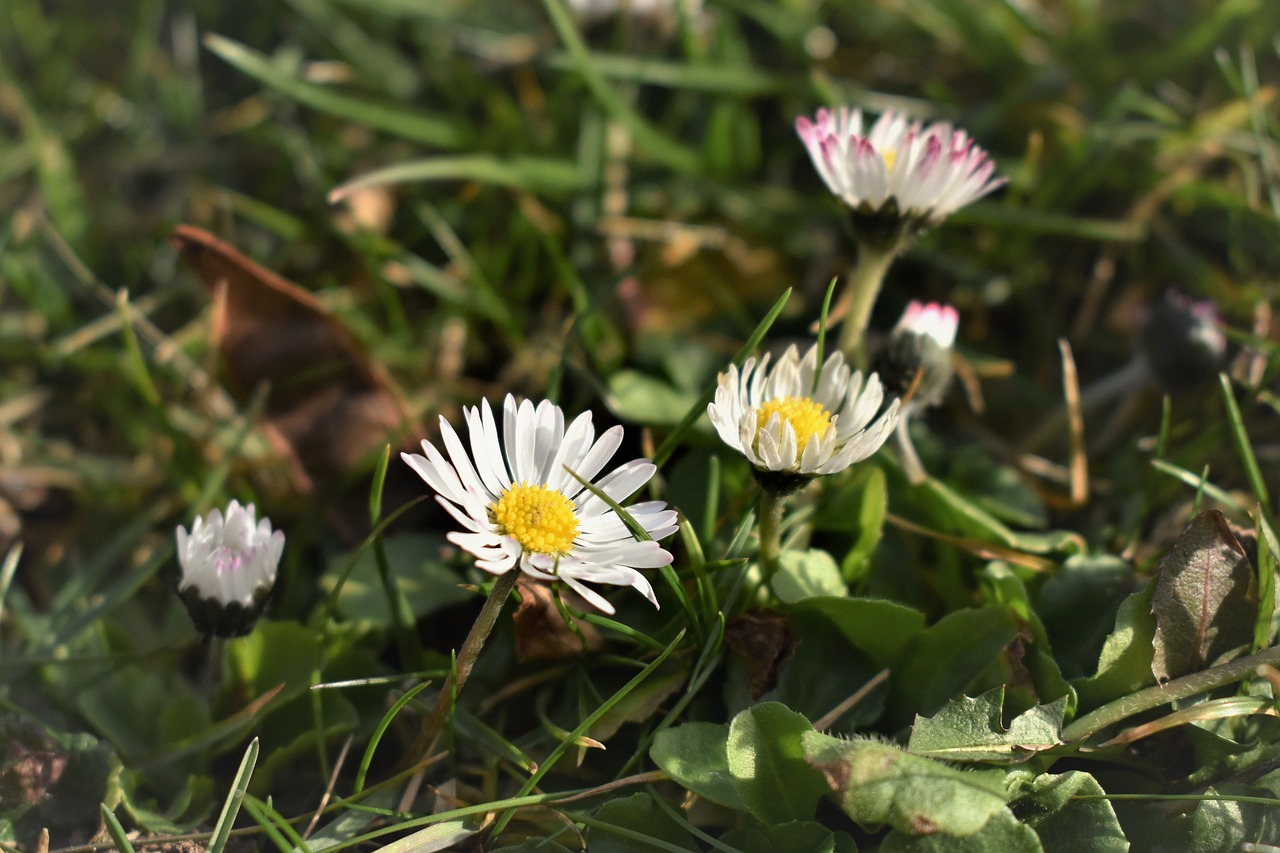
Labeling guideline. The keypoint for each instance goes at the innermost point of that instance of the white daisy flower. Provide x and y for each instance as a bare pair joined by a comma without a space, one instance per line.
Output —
933,320
522,508
784,422
228,568
927,172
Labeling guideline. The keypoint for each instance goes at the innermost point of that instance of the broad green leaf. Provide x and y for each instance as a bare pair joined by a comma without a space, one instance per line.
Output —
1008,589
767,763
1002,834
696,755
807,574
1205,601
879,784
1066,824
643,399
632,822
945,658
971,730
1125,662
881,628
799,837
1226,824
1078,605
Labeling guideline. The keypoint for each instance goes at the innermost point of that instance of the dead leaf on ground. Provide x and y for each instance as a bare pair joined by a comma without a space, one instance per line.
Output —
329,406
541,632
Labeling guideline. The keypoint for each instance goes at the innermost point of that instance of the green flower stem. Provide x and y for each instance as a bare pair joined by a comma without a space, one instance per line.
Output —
1179,688
466,661
770,533
863,287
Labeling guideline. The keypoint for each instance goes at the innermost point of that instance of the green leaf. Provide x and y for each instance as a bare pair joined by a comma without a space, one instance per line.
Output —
231,807
947,657
971,730
796,837
439,836
882,629
696,755
807,574
531,174
767,763
426,584
640,704
1008,589
872,506
1226,824
1002,834
1066,824
1205,601
633,823
1125,662
643,399
1078,607
533,845
879,784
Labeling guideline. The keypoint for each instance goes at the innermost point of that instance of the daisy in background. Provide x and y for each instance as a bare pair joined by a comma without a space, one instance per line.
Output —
523,509
228,566
898,178
916,366
795,421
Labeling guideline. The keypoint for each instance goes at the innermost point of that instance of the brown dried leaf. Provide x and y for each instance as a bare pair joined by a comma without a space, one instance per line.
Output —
1205,601
329,406
765,643
541,633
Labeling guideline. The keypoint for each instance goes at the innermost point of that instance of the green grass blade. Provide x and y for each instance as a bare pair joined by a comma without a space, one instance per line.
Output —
1244,447
231,808
115,830
282,835
7,571
380,730
413,125
657,144
531,174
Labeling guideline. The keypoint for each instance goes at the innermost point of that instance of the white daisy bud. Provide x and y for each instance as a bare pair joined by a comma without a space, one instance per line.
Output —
228,569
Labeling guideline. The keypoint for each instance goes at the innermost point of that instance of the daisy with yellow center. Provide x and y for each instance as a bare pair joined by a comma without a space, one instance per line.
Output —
926,172
792,418
522,508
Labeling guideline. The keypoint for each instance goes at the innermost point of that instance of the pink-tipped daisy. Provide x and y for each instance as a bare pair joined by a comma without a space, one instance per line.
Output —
899,171
522,508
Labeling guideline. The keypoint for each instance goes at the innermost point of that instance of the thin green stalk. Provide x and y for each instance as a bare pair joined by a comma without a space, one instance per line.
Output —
1162,694
770,533
863,287
470,651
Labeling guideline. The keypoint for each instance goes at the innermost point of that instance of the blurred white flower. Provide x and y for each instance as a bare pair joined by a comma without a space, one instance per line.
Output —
900,169
522,508
785,422
228,568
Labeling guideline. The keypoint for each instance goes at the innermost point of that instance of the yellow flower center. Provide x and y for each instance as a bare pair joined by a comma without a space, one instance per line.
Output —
890,157
807,417
540,519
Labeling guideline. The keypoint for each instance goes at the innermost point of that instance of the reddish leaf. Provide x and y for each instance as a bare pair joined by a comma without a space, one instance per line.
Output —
1205,601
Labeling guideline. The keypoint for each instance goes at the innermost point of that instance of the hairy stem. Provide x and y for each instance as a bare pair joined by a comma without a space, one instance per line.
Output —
467,655
770,533
863,287
1179,688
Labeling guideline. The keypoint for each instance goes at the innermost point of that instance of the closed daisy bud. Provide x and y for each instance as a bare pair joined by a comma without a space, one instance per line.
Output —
793,428
899,177
228,569
1181,343
916,365
919,345
523,510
